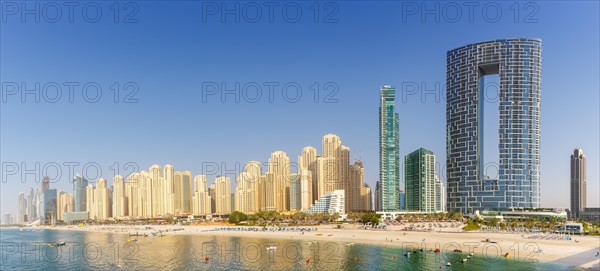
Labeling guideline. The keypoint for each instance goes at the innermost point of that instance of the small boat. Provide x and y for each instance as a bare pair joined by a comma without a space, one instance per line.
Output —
468,256
407,254
59,244
349,244
457,250
448,264
471,254
506,255
464,260
131,240
437,250
271,247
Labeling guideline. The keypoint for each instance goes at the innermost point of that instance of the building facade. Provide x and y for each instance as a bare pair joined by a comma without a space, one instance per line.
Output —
389,157
518,65
419,178
578,183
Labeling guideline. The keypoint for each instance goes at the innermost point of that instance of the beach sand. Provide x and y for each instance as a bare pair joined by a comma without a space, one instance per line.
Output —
580,253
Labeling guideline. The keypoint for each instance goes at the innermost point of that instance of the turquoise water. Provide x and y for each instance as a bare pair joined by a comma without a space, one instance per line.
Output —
26,250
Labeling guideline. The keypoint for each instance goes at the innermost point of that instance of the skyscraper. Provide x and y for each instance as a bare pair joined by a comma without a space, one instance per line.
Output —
119,208
518,64
308,161
306,189
440,195
354,188
330,169
169,189
295,192
279,165
201,198
253,186
578,182
419,177
22,212
389,157
79,194
223,195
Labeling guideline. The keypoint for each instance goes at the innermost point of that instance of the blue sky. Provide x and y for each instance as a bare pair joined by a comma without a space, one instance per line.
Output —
172,51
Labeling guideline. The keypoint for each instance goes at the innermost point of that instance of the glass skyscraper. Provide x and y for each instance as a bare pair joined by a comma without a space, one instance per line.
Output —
518,64
389,159
79,193
419,178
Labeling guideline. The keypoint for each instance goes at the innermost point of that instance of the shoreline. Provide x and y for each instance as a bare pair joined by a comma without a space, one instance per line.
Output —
578,252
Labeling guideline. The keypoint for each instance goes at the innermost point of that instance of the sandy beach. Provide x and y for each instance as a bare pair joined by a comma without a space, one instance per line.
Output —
580,251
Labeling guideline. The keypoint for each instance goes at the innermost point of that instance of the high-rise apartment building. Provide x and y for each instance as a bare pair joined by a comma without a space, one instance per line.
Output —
253,186
389,157
223,195
79,195
295,192
308,161
306,189
119,206
419,178
279,166
440,195
518,63
201,198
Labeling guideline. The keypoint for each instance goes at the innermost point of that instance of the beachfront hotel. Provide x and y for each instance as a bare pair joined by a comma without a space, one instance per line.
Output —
518,64
389,153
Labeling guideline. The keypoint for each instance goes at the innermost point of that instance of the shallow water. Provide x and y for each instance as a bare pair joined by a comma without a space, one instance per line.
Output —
28,250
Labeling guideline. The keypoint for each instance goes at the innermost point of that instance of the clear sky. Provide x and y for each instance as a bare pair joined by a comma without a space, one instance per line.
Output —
175,53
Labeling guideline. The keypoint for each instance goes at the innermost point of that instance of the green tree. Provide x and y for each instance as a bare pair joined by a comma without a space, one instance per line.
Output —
237,217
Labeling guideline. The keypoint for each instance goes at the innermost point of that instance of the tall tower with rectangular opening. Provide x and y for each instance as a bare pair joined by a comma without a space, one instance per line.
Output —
518,64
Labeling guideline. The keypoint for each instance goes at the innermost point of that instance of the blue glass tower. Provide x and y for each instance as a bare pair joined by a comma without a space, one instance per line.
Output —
518,64
389,158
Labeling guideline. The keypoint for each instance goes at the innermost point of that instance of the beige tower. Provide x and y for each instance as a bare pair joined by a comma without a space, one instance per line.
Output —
91,201
169,189
131,193
183,192
102,200
118,199
329,166
354,192
279,165
158,193
201,198
306,189
242,191
253,170
64,203
344,173
308,161
269,199
223,195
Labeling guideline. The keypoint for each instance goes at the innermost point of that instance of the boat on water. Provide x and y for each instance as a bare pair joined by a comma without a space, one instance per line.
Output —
464,260
448,264
349,244
407,254
131,240
506,255
437,250
58,244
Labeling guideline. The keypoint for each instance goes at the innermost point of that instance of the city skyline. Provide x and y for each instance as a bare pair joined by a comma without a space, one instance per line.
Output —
165,191
144,133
